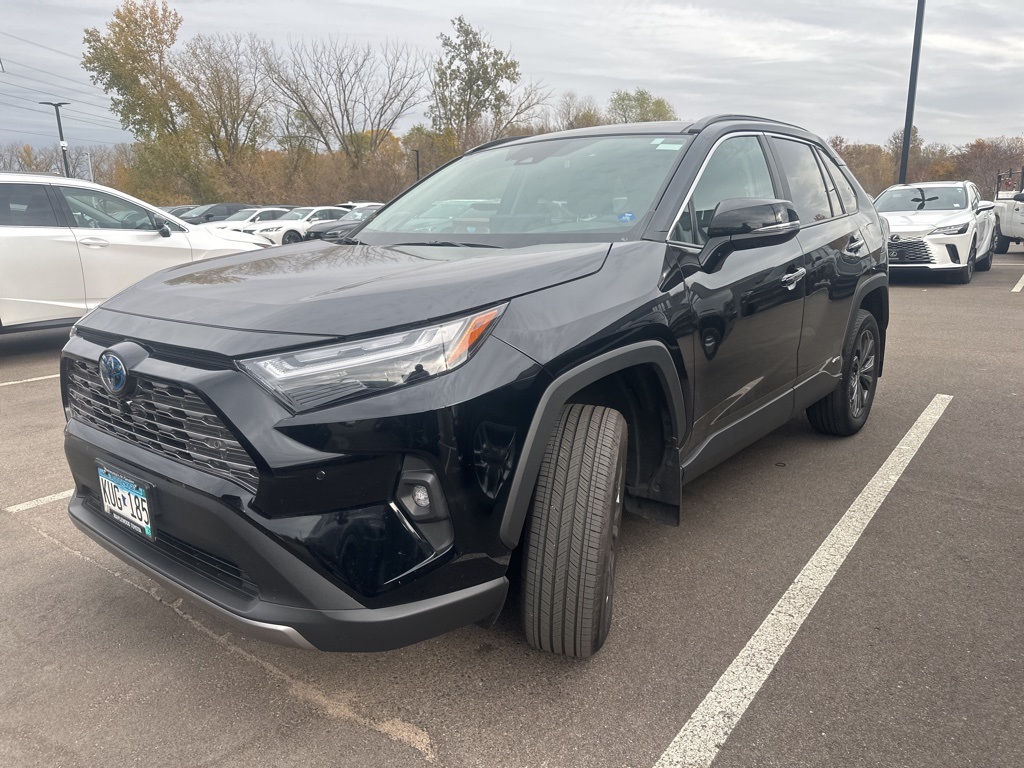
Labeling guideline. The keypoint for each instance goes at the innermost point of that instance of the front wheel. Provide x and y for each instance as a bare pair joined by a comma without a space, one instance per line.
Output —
291,236
845,410
966,272
572,535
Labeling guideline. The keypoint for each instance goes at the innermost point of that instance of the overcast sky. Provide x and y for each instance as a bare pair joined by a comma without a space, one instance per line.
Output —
834,67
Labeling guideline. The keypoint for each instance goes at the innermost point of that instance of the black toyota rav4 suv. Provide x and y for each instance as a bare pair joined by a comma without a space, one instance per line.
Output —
357,446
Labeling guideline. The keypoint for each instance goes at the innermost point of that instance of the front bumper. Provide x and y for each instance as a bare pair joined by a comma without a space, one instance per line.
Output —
934,252
206,550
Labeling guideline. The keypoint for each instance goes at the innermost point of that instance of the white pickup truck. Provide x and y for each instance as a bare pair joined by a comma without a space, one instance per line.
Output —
1009,210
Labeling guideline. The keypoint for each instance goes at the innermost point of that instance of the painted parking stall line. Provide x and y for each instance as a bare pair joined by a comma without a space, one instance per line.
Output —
698,743
26,381
1019,286
39,502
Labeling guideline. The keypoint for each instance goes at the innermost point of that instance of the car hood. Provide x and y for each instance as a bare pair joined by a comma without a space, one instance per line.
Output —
346,290
231,236
923,221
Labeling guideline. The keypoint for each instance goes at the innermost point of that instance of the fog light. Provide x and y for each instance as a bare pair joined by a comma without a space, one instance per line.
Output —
421,496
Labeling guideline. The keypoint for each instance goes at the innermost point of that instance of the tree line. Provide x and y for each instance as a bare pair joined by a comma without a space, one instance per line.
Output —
237,117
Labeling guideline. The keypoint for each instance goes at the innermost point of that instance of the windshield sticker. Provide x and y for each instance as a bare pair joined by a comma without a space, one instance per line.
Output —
657,141
669,146
627,216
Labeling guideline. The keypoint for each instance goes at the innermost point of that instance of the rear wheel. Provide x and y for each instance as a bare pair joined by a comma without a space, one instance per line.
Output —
572,533
846,409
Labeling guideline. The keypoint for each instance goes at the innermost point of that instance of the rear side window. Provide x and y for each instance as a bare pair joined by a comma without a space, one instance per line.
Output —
844,187
736,169
26,205
806,185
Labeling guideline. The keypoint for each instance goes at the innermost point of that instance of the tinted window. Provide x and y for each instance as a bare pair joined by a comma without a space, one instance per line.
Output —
736,169
846,191
99,210
26,205
806,185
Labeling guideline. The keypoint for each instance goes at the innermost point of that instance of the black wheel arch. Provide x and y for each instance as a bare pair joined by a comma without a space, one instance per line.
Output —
872,294
624,379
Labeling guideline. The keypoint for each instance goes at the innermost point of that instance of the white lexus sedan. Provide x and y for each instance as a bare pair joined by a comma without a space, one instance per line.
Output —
66,245
240,220
943,226
291,227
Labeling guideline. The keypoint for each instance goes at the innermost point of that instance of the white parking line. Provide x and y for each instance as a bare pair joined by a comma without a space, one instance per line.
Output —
40,502
1020,284
704,734
26,381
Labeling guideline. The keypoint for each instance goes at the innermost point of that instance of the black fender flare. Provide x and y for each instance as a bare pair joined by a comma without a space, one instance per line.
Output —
875,281
550,406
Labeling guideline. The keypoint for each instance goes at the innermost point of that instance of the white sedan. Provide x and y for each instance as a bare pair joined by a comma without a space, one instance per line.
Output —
942,226
240,220
291,227
67,245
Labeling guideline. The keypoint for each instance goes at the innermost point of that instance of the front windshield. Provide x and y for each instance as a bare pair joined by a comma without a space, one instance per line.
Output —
242,215
578,189
295,214
200,210
922,199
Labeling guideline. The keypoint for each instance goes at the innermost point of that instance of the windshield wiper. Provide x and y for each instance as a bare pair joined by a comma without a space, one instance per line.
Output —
345,241
448,244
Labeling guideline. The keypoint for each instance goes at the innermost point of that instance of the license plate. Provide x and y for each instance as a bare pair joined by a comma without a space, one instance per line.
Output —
126,500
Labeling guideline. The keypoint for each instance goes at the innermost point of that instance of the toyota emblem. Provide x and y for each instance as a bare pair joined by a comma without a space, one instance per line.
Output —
113,373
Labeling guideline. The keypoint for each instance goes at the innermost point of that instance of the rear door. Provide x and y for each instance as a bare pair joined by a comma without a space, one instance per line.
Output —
40,271
833,249
119,242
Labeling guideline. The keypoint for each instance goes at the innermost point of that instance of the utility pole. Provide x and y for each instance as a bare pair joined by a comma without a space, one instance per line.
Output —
60,132
908,128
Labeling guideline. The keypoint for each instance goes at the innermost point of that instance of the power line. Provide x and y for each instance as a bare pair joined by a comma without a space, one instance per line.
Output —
80,120
71,138
61,88
52,74
86,114
38,45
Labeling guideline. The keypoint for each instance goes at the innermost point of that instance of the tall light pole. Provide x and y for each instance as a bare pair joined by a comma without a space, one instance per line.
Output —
60,132
908,128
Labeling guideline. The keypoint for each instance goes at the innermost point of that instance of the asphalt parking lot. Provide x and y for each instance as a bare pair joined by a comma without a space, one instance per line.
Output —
912,656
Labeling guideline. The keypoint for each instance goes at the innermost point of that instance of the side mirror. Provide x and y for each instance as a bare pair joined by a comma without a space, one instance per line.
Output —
753,222
161,226
1019,198
986,205
207,216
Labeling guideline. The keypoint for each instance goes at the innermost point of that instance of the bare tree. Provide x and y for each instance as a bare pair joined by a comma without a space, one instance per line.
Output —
347,97
231,104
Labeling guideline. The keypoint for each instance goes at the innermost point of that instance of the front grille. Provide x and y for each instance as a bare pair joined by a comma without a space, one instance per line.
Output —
911,250
193,358
161,417
213,567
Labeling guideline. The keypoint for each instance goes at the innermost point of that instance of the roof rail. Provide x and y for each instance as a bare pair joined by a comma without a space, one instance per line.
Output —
703,123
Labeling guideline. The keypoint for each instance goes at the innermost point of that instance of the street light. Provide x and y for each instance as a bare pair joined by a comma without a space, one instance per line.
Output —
60,132
909,126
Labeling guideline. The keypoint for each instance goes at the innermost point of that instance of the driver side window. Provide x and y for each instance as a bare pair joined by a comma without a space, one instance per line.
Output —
93,209
737,168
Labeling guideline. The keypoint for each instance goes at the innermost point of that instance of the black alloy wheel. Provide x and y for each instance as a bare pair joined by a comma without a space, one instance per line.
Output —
291,236
845,410
966,272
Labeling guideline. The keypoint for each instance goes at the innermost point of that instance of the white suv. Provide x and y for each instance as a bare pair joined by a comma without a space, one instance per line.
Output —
67,245
939,225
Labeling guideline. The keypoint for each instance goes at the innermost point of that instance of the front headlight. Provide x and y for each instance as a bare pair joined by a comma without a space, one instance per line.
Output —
312,377
271,229
955,229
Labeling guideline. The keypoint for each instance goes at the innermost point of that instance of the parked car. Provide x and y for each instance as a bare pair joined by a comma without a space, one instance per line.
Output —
66,245
239,220
941,226
177,210
212,212
366,443
291,227
335,230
